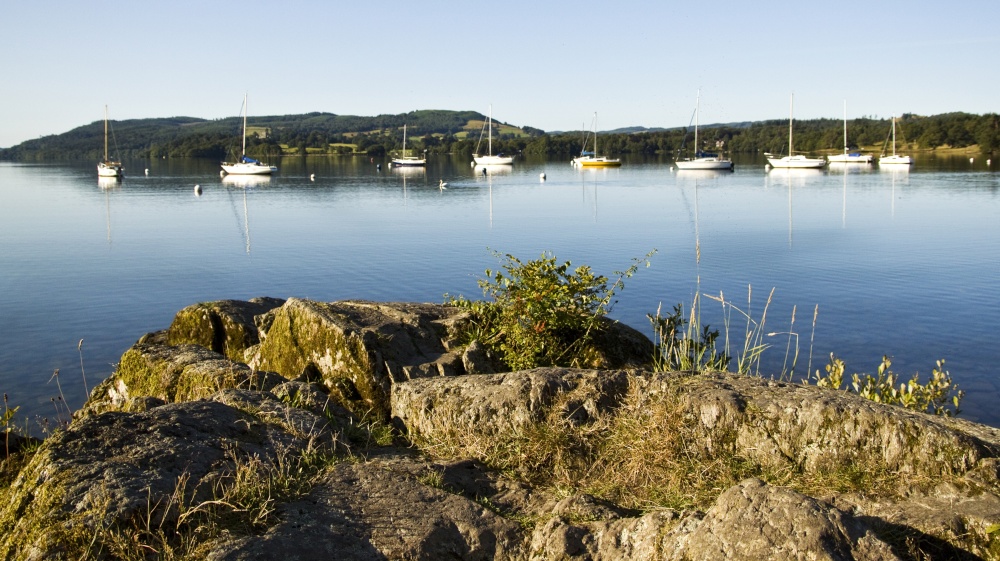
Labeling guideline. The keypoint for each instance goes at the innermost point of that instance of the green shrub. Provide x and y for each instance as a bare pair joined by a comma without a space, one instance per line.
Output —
542,313
938,395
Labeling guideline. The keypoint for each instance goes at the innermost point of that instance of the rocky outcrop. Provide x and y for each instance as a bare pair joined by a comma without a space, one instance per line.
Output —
260,430
228,327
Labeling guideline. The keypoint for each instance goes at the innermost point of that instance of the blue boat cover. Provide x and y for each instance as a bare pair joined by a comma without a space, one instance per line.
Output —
701,154
248,160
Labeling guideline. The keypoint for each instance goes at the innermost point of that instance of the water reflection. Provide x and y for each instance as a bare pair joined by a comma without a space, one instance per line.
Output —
492,169
246,180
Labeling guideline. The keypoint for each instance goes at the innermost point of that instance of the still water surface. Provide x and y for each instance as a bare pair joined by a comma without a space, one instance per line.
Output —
903,263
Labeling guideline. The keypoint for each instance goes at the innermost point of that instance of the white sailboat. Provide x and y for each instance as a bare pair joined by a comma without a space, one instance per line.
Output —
247,165
849,157
405,160
591,159
792,160
489,159
894,158
702,160
106,167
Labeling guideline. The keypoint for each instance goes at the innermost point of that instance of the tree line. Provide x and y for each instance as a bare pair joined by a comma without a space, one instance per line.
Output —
457,132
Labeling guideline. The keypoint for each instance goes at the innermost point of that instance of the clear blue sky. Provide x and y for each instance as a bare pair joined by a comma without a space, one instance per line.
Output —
544,63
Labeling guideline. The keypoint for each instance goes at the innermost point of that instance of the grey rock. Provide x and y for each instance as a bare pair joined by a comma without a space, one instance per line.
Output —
754,520
377,510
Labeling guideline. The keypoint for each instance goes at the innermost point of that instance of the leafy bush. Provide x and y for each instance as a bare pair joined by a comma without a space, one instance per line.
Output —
543,313
938,395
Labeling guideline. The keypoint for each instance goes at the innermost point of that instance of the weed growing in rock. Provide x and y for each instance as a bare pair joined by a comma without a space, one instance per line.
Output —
939,395
6,420
682,346
79,349
543,313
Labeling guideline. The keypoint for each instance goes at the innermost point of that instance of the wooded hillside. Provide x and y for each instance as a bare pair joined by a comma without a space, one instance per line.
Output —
458,132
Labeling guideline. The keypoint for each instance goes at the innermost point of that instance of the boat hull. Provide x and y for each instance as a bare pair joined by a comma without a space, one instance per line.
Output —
895,160
244,168
412,162
704,163
851,158
797,162
110,169
492,160
597,162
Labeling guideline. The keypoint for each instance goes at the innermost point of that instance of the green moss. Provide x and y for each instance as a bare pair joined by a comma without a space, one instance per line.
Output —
141,378
300,342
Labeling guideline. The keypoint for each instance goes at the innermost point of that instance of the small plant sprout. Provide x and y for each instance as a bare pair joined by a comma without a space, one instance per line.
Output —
8,416
79,349
61,399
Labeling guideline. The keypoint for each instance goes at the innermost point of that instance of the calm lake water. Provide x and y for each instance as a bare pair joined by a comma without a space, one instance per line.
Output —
902,263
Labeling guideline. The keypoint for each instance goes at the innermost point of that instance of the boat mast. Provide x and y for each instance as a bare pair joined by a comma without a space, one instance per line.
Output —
244,124
105,133
697,106
893,135
404,140
490,121
595,134
845,127
791,109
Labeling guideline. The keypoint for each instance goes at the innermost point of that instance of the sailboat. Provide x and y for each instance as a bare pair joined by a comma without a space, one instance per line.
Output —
247,165
792,160
894,159
850,157
405,160
591,159
106,167
702,160
490,159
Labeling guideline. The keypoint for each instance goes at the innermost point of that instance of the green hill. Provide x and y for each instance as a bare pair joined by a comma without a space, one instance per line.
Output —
458,132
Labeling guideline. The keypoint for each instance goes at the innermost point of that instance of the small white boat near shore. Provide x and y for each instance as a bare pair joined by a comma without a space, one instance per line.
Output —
404,160
107,167
702,160
849,157
246,165
792,160
490,159
894,159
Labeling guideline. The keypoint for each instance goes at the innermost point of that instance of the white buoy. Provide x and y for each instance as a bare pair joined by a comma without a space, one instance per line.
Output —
197,190
671,168
971,160
987,161
542,176
147,171
222,173
312,177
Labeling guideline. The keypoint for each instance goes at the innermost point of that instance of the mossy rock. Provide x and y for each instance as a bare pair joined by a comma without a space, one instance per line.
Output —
358,349
174,374
228,327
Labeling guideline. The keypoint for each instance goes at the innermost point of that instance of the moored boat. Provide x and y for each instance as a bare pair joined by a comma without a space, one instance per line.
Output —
591,159
849,157
894,159
108,167
246,165
702,160
490,159
792,160
405,160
